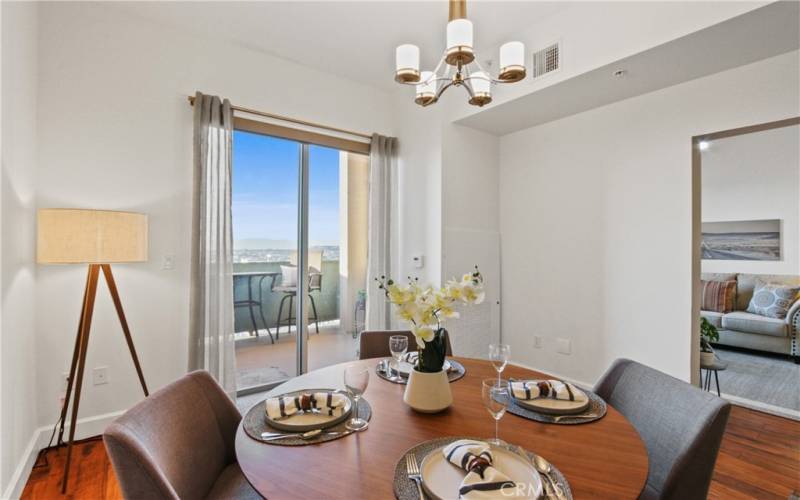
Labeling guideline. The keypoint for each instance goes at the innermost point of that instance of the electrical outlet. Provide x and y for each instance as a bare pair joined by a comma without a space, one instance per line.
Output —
563,346
537,341
100,375
168,264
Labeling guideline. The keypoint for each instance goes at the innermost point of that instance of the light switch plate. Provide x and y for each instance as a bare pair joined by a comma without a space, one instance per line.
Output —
563,346
537,341
418,261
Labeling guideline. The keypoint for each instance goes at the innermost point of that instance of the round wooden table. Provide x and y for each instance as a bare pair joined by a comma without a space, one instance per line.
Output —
602,459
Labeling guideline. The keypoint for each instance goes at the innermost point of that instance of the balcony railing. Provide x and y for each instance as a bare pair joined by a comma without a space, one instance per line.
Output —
327,299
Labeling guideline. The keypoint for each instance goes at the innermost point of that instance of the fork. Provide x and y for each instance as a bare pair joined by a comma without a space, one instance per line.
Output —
412,469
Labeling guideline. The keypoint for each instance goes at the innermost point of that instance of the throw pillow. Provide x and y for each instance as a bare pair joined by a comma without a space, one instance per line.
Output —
772,300
718,296
288,276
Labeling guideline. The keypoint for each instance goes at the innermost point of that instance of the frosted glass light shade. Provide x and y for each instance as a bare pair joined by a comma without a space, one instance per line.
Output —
459,33
459,42
81,236
480,82
406,64
407,57
481,88
426,90
512,54
512,62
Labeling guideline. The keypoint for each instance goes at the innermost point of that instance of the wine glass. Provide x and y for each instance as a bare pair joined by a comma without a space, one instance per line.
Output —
356,379
398,345
494,394
499,354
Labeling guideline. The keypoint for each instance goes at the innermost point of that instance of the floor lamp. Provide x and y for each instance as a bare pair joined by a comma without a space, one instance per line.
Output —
97,238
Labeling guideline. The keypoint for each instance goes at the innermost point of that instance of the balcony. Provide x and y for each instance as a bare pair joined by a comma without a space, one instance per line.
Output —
259,361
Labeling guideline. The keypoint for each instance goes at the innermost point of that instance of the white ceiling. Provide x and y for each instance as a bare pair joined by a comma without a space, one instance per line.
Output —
765,32
351,39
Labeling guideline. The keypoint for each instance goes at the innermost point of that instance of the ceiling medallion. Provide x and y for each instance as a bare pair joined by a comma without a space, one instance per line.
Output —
458,66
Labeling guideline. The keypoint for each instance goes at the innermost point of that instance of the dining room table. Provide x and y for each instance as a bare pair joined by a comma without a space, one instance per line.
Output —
605,458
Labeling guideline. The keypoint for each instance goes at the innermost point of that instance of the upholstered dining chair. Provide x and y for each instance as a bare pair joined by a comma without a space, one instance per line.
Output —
179,444
375,343
681,426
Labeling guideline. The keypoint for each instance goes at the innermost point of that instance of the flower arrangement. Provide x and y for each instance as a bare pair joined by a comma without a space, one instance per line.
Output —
426,308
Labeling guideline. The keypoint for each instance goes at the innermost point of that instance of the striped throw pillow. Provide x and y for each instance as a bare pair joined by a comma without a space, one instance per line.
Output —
718,296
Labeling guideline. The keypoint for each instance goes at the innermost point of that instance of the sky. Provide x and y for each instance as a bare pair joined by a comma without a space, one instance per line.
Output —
265,178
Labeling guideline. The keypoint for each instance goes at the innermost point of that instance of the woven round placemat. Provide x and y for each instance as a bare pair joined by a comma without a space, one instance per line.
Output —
406,489
596,407
456,372
255,422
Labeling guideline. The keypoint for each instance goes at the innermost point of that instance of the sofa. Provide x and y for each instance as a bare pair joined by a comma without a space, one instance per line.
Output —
740,328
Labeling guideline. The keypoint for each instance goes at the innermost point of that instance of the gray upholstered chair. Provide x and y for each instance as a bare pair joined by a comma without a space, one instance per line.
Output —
375,343
179,444
681,426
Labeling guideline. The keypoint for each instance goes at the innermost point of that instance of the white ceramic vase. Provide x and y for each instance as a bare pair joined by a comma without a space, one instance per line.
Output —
428,392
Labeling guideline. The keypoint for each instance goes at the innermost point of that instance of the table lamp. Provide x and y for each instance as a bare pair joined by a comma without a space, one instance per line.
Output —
97,238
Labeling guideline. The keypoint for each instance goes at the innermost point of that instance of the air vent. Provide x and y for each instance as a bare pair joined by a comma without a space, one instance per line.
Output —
546,60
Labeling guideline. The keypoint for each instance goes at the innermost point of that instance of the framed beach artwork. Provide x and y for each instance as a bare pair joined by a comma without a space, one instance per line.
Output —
742,240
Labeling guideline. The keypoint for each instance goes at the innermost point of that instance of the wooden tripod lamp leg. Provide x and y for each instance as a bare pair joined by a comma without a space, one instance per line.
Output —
112,287
79,353
74,364
86,325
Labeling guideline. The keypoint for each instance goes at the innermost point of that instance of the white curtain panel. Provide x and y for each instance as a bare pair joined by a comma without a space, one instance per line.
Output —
211,344
382,164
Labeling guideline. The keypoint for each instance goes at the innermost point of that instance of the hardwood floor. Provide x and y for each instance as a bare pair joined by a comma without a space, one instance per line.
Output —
760,458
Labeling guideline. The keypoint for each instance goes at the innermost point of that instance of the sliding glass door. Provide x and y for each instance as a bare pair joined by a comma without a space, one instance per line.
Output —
298,212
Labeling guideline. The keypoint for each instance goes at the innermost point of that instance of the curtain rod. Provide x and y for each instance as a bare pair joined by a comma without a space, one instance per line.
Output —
292,120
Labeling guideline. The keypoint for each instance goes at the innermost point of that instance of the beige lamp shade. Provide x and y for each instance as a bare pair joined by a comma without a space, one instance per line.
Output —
81,236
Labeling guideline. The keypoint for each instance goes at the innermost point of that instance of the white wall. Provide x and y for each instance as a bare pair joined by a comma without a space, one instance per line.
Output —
115,131
470,230
18,374
752,177
419,187
596,222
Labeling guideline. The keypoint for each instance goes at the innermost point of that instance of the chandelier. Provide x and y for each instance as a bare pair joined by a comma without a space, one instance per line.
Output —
458,66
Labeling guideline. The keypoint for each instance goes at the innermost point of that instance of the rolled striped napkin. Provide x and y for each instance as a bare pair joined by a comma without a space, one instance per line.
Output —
482,481
326,403
410,357
553,389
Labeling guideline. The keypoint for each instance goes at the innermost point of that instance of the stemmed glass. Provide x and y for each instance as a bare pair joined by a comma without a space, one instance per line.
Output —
398,345
499,354
356,379
494,394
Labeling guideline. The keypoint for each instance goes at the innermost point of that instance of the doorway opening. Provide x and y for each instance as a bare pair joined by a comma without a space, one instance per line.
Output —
747,265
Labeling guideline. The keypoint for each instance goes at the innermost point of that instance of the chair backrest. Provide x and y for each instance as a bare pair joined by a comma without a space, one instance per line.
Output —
375,343
681,425
176,442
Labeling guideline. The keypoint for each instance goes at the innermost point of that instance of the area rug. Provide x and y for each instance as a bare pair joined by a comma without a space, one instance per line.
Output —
768,382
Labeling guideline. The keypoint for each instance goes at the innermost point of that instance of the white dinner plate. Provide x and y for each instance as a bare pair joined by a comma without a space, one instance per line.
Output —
405,367
441,479
553,406
308,421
